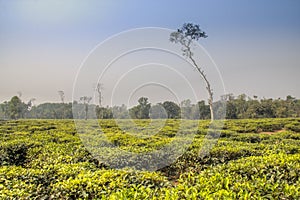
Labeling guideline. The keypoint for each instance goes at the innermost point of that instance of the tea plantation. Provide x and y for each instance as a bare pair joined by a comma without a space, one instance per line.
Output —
252,159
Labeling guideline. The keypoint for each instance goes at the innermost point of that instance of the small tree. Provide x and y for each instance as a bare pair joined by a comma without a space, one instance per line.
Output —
142,110
144,107
86,100
158,112
185,36
172,109
16,108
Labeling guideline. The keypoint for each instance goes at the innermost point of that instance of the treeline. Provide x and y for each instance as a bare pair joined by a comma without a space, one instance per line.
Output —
243,107
239,107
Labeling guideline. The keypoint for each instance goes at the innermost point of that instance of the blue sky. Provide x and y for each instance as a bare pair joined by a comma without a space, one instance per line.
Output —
255,44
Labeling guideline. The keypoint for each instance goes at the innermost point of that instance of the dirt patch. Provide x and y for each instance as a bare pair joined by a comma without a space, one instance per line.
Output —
270,133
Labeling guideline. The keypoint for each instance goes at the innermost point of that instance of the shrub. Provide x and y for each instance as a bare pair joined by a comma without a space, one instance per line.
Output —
294,126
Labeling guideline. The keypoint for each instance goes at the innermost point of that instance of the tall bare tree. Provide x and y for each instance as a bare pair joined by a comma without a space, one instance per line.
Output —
62,96
185,36
86,100
99,88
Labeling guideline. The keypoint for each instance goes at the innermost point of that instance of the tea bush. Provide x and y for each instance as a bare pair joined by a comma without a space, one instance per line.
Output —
47,159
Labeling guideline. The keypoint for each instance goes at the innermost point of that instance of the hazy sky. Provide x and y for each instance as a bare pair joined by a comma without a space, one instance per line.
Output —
255,44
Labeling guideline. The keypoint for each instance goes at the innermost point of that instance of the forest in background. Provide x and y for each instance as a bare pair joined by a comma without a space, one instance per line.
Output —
237,107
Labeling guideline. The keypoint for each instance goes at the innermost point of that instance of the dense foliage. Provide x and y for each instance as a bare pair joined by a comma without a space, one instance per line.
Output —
241,107
45,159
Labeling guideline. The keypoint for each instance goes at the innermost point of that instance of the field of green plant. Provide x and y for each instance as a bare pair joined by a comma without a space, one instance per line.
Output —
253,159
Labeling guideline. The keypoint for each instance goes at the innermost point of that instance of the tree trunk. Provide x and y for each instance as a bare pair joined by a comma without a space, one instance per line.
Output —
208,88
86,111
212,117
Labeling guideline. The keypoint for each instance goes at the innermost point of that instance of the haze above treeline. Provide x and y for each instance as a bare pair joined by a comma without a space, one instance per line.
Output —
255,44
